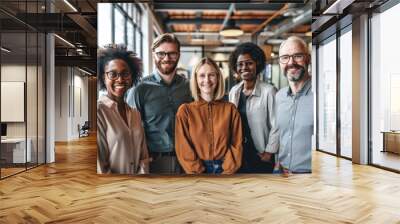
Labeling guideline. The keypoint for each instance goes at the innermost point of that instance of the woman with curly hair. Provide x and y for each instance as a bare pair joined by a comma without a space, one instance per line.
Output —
120,136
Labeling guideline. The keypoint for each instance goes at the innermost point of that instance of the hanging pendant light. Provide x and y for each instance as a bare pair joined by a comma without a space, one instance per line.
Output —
231,30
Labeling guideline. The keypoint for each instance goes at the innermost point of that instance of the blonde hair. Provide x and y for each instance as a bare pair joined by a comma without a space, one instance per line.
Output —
297,40
194,88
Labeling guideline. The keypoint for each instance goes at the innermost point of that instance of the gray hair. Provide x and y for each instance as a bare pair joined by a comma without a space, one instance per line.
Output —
298,40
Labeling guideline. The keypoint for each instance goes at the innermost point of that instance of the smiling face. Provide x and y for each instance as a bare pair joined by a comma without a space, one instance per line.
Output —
207,80
117,88
294,70
166,64
246,67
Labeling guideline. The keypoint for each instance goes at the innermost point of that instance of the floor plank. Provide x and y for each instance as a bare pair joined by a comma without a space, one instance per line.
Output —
70,191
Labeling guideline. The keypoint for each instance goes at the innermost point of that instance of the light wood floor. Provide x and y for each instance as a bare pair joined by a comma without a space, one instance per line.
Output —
70,191
387,159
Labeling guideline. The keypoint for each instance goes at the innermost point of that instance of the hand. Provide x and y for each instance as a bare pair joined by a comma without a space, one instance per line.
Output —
265,156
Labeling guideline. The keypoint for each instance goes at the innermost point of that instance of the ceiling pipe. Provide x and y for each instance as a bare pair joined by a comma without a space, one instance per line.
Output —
289,24
265,23
228,15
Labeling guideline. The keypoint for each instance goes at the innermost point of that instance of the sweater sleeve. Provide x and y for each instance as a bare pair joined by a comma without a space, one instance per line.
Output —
233,156
103,152
144,153
273,138
185,151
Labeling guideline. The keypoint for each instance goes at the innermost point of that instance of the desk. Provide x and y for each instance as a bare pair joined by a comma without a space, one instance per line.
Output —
391,141
13,150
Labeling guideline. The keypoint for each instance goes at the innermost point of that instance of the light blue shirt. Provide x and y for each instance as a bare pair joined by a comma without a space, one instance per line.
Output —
295,120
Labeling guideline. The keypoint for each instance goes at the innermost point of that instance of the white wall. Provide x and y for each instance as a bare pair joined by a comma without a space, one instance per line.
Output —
71,102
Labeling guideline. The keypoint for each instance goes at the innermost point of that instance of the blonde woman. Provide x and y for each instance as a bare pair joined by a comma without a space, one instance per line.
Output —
208,131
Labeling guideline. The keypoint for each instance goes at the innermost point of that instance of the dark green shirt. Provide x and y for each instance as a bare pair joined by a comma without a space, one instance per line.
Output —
158,103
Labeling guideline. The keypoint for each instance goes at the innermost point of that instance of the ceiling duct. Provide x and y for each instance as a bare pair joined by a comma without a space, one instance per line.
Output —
292,23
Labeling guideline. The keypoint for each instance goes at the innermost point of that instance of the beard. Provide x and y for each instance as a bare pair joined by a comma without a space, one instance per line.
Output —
168,70
296,76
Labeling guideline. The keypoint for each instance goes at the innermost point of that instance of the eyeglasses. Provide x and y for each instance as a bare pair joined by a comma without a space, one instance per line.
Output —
162,54
112,75
284,59
244,64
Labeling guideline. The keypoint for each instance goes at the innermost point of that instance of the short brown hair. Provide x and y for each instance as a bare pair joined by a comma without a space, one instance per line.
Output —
194,89
166,38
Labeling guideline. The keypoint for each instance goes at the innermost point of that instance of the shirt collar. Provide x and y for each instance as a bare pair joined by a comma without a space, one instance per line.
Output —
159,80
202,102
304,90
106,100
256,91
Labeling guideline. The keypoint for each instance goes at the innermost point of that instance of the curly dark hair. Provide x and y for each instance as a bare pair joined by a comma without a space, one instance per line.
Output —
255,52
111,52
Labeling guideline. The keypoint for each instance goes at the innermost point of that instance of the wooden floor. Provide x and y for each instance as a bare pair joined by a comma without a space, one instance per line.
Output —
387,159
70,191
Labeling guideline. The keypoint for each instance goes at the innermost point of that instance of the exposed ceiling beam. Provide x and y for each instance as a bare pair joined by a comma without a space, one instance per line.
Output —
292,23
203,33
86,26
84,61
216,6
212,21
276,14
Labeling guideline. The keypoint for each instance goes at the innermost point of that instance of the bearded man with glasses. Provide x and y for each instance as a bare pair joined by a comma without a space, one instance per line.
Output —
295,108
158,98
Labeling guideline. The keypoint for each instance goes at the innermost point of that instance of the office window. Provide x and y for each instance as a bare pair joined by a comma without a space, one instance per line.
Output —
138,33
119,26
138,45
385,88
104,32
130,37
346,93
327,96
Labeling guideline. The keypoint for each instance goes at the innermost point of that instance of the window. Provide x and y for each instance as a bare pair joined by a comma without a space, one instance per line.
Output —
104,36
385,87
119,24
346,74
130,37
327,96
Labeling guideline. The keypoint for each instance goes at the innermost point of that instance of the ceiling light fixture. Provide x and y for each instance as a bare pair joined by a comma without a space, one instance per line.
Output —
84,71
230,40
231,30
64,40
5,50
70,5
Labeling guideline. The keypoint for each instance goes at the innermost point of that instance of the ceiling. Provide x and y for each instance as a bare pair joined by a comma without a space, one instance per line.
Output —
78,27
199,23
195,22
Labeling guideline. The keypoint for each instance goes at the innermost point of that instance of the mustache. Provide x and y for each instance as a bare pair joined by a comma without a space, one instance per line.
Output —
245,71
295,66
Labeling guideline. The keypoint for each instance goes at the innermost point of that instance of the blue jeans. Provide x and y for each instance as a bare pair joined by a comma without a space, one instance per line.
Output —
213,166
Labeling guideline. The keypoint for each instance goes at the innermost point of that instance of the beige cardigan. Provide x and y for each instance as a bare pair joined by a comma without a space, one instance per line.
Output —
121,148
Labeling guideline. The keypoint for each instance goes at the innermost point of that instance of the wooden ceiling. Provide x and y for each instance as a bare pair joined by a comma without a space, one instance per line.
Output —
195,19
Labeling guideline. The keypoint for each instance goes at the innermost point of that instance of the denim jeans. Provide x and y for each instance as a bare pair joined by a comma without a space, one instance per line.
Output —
213,166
